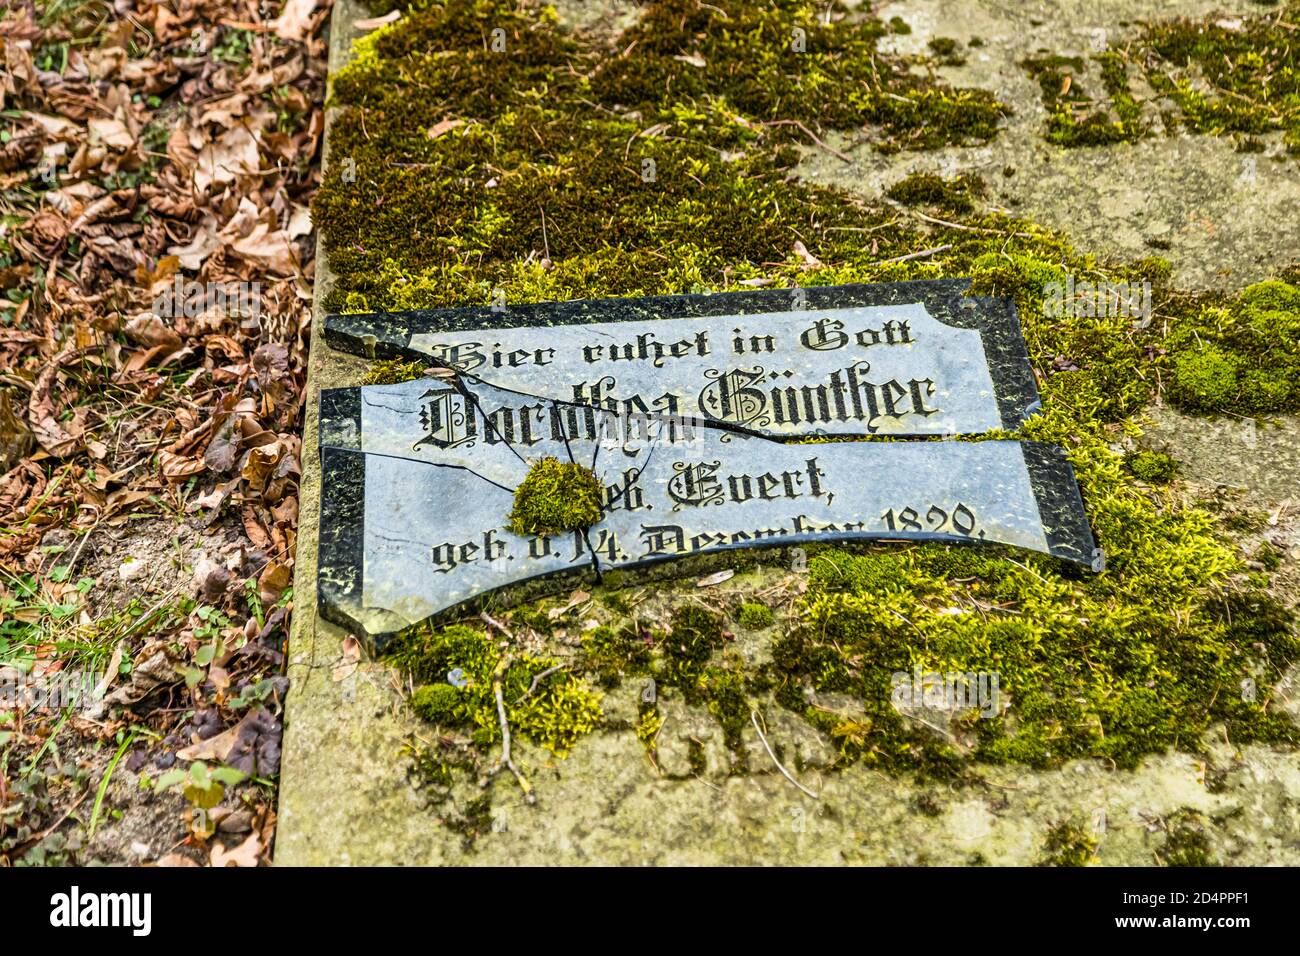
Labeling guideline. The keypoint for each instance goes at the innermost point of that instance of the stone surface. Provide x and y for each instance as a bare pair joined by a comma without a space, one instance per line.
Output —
909,358
1223,218
419,480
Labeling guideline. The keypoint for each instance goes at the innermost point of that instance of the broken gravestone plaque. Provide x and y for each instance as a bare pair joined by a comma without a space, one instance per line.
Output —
418,481
903,359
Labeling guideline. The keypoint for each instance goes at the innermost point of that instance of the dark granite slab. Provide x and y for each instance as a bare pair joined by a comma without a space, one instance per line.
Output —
418,481
903,359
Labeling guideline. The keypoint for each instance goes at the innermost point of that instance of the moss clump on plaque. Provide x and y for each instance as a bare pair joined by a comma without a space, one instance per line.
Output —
392,372
556,496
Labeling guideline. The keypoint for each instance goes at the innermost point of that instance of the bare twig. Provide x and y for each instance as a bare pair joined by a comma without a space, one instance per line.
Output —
812,136
919,254
537,680
492,622
753,716
506,759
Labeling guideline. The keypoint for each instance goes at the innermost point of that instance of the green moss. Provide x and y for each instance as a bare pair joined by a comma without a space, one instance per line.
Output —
1185,841
696,633
1113,667
947,51
597,163
1243,82
1226,80
1073,120
610,654
440,704
555,712
1068,844
556,496
1154,467
1206,380
926,189
392,372
754,616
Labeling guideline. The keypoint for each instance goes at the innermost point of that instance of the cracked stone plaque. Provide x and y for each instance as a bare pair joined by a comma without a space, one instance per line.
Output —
900,359
419,478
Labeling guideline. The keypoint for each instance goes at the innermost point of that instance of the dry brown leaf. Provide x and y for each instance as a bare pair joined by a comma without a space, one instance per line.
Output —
809,260
149,330
178,467
294,22
576,598
248,853
273,580
349,660
218,747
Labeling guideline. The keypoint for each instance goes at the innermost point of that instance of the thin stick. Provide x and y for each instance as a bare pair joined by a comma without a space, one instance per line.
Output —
506,760
493,622
919,254
753,716
812,136
538,679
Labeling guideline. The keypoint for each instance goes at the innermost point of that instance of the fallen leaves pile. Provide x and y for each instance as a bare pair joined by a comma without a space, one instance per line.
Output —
157,161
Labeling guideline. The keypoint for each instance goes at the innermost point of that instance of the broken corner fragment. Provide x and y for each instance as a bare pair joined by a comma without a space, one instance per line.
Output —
904,359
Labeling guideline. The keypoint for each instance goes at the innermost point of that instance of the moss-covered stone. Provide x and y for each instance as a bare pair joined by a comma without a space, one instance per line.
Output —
1073,121
1185,841
926,189
553,710
556,496
1069,844
567,173
439,704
